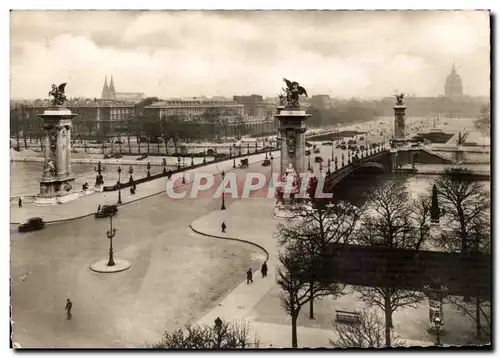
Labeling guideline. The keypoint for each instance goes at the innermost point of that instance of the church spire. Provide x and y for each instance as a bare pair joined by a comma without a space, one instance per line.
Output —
105,89
112,91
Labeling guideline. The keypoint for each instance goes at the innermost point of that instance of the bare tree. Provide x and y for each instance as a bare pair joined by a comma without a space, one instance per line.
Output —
292,279
466,207
225,336
391,223
465,204
369,333
317,225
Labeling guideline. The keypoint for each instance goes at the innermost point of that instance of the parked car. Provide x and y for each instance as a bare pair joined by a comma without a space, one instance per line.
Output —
316,151
144,156
266,163
308,144
308,152
31,225
343,147
318,159
106,211
327,143
338,146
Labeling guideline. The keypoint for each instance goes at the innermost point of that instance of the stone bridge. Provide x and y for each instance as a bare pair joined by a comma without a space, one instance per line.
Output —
376,160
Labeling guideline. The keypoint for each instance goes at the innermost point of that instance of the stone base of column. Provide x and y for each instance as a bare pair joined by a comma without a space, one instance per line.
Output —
56,191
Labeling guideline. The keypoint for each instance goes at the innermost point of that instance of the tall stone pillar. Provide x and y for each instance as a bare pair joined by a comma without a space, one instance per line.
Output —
293,141
399,122
57,179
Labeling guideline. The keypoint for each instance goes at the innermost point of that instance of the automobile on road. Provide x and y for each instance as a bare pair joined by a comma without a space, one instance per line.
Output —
31,225
106,211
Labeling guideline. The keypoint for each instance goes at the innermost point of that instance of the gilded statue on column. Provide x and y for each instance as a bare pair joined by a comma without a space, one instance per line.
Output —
290,96
57,93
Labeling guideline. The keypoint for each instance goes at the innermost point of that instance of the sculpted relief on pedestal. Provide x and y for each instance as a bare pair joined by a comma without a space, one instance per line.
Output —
291,142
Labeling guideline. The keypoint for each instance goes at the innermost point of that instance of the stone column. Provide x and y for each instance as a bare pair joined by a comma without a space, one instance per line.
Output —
300,158
61,155
284,151
399,122
68,150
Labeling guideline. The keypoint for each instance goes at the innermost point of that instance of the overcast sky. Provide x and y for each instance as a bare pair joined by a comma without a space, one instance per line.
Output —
173,54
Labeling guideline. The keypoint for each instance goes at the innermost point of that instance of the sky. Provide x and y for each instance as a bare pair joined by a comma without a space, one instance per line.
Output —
362,54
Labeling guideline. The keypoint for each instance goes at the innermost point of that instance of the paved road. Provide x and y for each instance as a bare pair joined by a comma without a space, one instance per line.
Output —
176,275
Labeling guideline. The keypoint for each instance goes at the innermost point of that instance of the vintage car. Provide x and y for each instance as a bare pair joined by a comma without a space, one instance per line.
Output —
318,159
327,143
316,151
144,156
266,163
31,225
308,144
308,152
106,211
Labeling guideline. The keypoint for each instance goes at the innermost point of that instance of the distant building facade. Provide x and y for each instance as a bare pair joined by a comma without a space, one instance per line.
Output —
109,93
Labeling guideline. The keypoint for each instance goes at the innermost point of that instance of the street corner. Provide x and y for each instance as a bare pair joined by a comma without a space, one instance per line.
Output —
102,266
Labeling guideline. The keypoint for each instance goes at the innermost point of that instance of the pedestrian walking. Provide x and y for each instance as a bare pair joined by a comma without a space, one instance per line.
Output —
20,202
69,306
263,269
223,227
249,276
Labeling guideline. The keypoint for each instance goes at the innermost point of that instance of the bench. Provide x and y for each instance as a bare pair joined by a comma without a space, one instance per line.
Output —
348,317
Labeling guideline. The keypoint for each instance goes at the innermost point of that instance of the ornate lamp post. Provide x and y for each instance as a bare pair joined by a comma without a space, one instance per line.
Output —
266,153
320,167
438,324
99,169
248,148
436,293
234,155
164,161
348,157
332,150
309,162
148,166
329,171
111,234
192,161
178,163
119,186
336,164
223,206
131,171
342,159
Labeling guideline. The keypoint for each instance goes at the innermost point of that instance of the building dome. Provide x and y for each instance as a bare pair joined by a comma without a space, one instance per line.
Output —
453,86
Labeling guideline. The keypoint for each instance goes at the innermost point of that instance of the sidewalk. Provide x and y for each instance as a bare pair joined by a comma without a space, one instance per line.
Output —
87,205
252,220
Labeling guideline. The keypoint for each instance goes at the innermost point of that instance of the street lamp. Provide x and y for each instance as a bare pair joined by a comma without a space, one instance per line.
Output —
111,234
192,161
119,186
309,162
148,166
234,155
336,164
99,169
164,166
329,171
438,324
223,206
178,163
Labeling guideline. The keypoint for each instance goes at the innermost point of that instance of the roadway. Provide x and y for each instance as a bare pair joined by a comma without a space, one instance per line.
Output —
176,275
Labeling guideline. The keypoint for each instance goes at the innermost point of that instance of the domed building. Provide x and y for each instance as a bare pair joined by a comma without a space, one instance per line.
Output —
453,87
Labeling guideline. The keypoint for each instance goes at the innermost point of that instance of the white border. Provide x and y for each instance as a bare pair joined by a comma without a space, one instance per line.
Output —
185,4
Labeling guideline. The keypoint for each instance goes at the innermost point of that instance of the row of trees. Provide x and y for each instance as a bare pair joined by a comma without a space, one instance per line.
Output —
390,218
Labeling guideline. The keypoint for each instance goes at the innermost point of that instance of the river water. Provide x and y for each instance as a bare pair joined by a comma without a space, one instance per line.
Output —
24,176
356,189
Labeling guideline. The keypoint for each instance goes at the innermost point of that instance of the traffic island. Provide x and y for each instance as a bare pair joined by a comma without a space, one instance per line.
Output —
101,266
